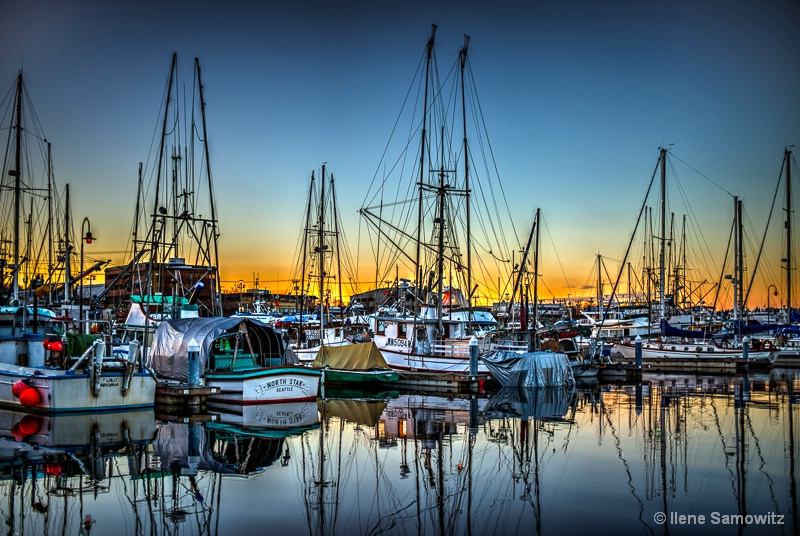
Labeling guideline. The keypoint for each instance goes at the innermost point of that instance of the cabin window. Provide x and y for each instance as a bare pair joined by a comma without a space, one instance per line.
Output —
402,330
381,327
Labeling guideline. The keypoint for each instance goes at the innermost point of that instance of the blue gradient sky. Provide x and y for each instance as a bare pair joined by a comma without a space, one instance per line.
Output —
578,97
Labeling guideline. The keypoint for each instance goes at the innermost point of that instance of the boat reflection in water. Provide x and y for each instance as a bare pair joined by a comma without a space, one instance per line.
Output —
605,458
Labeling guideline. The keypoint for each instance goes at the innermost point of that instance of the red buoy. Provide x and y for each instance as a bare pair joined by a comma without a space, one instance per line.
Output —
30,397
18,387
29,425
56,346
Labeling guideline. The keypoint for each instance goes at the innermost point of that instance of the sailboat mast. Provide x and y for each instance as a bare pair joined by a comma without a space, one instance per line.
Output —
422,167
440,242
321,253
663,237
740,258
736,247
305,255
463,57
49,217
788,164
156,234
216,301
536,282
338,250
67,249
17,189
600,314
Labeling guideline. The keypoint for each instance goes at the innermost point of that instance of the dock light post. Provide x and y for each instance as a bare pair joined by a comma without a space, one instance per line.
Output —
88,238
776,293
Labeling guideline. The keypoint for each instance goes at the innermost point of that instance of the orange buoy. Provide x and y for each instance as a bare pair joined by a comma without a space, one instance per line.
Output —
29,425
30,397
18,387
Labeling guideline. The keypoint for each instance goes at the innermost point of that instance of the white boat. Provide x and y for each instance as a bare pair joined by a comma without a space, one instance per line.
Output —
428,352
41,374
676,349
245,358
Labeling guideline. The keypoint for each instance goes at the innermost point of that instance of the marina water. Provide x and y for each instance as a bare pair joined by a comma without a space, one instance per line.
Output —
673,454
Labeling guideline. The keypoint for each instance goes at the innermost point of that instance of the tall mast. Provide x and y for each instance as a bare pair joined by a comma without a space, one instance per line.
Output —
536,282
305,255
17,172
441,193
740,258
338,251
49,217
463,57
67,249
736,248
663,237
216,301
422,166
156,234
321,253
788,164
600,315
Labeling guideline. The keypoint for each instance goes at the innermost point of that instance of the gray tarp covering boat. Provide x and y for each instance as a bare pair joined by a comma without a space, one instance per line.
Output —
169,353
529,369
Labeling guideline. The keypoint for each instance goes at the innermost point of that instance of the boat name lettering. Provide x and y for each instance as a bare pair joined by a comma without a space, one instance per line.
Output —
109,382
281,385
398,342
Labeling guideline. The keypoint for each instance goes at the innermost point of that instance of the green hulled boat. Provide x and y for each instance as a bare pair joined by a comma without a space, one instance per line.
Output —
353,364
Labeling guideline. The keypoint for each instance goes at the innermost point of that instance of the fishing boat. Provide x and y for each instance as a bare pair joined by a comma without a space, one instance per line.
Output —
41,372
423,225
359,365
173,267
246,359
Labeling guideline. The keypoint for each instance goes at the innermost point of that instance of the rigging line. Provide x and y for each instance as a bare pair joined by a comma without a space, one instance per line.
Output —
706,178
760,250
479,109
412,85
552,242
633,235
696,224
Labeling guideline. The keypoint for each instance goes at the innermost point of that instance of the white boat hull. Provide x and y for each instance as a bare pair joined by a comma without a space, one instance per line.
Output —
697,351
454,362
264,385
68,391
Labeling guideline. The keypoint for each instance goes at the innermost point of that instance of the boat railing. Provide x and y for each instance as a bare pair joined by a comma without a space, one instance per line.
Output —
451,348
460,348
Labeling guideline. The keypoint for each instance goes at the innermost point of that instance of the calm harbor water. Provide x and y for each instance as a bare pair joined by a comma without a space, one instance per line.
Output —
675,454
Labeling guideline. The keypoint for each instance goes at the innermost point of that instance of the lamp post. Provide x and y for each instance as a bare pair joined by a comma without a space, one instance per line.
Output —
88,239
776,293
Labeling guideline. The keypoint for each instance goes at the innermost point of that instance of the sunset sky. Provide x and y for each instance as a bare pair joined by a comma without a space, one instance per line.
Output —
578,96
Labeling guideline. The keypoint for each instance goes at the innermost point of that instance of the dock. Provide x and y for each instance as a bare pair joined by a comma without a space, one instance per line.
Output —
181,396
437,382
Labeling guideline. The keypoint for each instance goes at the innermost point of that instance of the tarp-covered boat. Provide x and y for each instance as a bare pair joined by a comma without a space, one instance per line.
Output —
353,363
245,358
529,369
